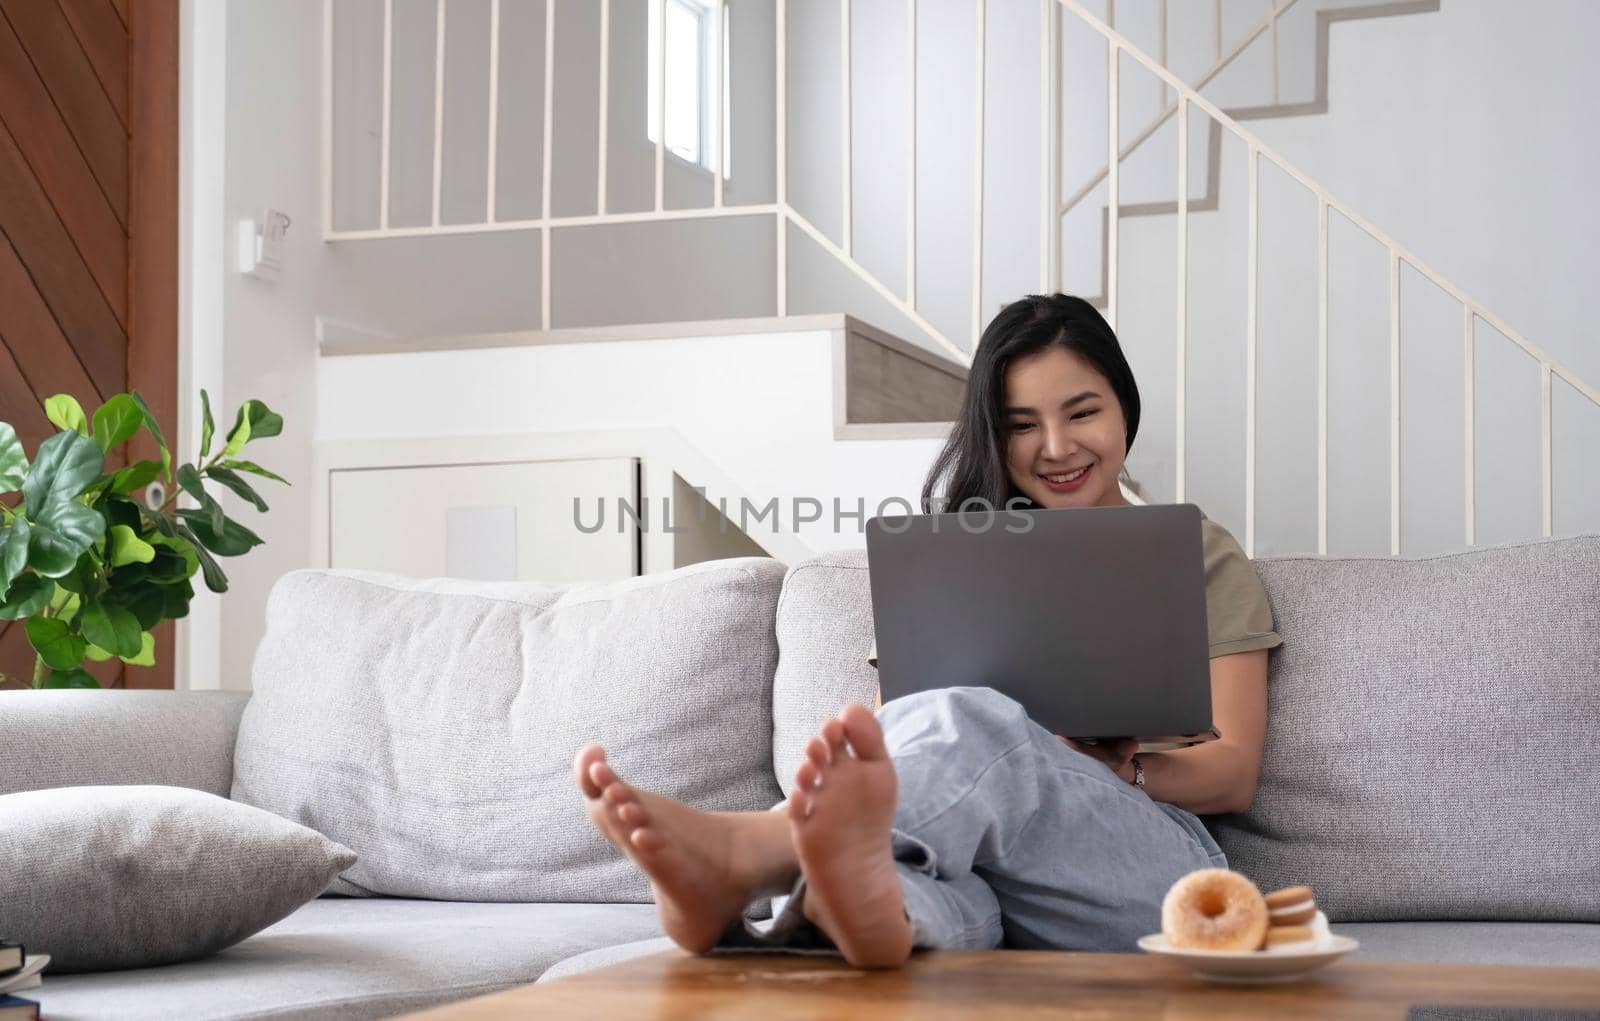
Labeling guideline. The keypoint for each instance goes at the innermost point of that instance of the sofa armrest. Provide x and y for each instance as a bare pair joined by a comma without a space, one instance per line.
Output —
74,738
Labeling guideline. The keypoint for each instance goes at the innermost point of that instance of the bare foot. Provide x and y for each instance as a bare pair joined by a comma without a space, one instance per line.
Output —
703,867
840,811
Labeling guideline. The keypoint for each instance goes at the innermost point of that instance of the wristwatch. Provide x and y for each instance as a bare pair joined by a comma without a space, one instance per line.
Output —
1138,772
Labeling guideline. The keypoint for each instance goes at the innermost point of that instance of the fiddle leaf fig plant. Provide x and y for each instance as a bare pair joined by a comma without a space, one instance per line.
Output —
86,564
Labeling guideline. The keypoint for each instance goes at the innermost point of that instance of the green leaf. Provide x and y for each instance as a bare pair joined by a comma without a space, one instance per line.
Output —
169,565
234,539
189,479
144,600
236,483
116,421
96,653
207,426
61,534
54,642
66,414
29,593
128,548
162,523
177,545
155,430
255,421
67,463
70,679
64,603
13,460
147,652
177,600
114,628
13,551
216,581
136,476
253,469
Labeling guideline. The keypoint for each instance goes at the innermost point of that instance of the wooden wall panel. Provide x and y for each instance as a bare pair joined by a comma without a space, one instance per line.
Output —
76,91
88,231
104,39
58,271
59,167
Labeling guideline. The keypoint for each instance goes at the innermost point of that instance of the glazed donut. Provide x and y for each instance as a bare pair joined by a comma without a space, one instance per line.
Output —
1214,909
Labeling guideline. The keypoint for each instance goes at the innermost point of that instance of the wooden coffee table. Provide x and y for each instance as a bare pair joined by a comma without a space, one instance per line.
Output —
1017,983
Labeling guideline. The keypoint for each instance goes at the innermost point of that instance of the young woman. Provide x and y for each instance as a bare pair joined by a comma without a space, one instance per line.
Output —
949,819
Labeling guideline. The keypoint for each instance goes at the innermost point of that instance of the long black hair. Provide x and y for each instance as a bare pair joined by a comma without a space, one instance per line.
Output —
974,457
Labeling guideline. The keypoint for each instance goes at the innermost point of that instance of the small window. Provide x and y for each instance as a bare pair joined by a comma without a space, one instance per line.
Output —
693,89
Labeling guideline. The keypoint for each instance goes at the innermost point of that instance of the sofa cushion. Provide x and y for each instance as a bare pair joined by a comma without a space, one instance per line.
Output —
172,738
1430,749
348,959
430,725
1539,944
824,627
134,876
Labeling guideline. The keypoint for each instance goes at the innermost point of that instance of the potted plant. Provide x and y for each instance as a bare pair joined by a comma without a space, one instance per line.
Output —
87,566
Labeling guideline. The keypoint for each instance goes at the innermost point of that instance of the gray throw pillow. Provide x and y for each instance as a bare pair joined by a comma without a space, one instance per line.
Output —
1430,744
431,724
128,877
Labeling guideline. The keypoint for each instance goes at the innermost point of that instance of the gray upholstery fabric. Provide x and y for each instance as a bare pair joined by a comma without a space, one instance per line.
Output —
605,957
824,628
431,725
132,876
1431,742
77,738
344,959
1547,944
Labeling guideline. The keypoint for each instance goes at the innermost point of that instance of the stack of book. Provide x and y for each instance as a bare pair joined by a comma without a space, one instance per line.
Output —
19,971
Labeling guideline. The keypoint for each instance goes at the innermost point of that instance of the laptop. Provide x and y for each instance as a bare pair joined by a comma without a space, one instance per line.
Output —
1094,618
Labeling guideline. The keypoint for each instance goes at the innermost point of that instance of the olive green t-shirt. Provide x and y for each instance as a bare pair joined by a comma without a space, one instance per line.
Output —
1238,616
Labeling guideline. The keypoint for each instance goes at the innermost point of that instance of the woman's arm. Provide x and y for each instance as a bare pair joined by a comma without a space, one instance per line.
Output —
1218,776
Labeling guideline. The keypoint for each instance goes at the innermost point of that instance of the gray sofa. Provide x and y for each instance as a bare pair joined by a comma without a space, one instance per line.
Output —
1430,764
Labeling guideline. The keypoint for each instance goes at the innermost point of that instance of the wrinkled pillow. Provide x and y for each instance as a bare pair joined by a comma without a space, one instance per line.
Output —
102,878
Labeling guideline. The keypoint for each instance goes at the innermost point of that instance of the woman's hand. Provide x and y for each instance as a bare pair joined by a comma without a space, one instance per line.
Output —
1117,754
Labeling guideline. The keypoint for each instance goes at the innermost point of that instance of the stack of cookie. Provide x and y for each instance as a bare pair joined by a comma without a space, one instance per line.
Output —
1289,915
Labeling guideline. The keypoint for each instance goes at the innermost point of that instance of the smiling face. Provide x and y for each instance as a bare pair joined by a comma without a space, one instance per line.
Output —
1066,438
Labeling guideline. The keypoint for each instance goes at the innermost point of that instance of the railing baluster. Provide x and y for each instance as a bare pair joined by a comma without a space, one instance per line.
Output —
388,114
1055,95
605,112
1468,328
548,157
717,55
1112,178
1273,17
1394,402
1546,446
1252,241
327,117
494,99
1045,142
1322,377
847,215
438,106
781,159
1181,328
911,160
977,217
661,102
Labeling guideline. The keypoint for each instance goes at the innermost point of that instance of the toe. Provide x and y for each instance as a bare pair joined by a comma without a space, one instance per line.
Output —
632,813
817,751
808,777
799,804
586,759
866,736
602,775
833,733
647,839
617,794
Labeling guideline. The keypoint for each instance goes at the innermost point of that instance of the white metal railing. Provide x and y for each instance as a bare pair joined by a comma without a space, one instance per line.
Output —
785,215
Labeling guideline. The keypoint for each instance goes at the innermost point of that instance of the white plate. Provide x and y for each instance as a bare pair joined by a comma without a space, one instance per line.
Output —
1279,964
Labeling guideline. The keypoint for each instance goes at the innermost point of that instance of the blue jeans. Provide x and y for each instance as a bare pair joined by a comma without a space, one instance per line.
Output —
1004,835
